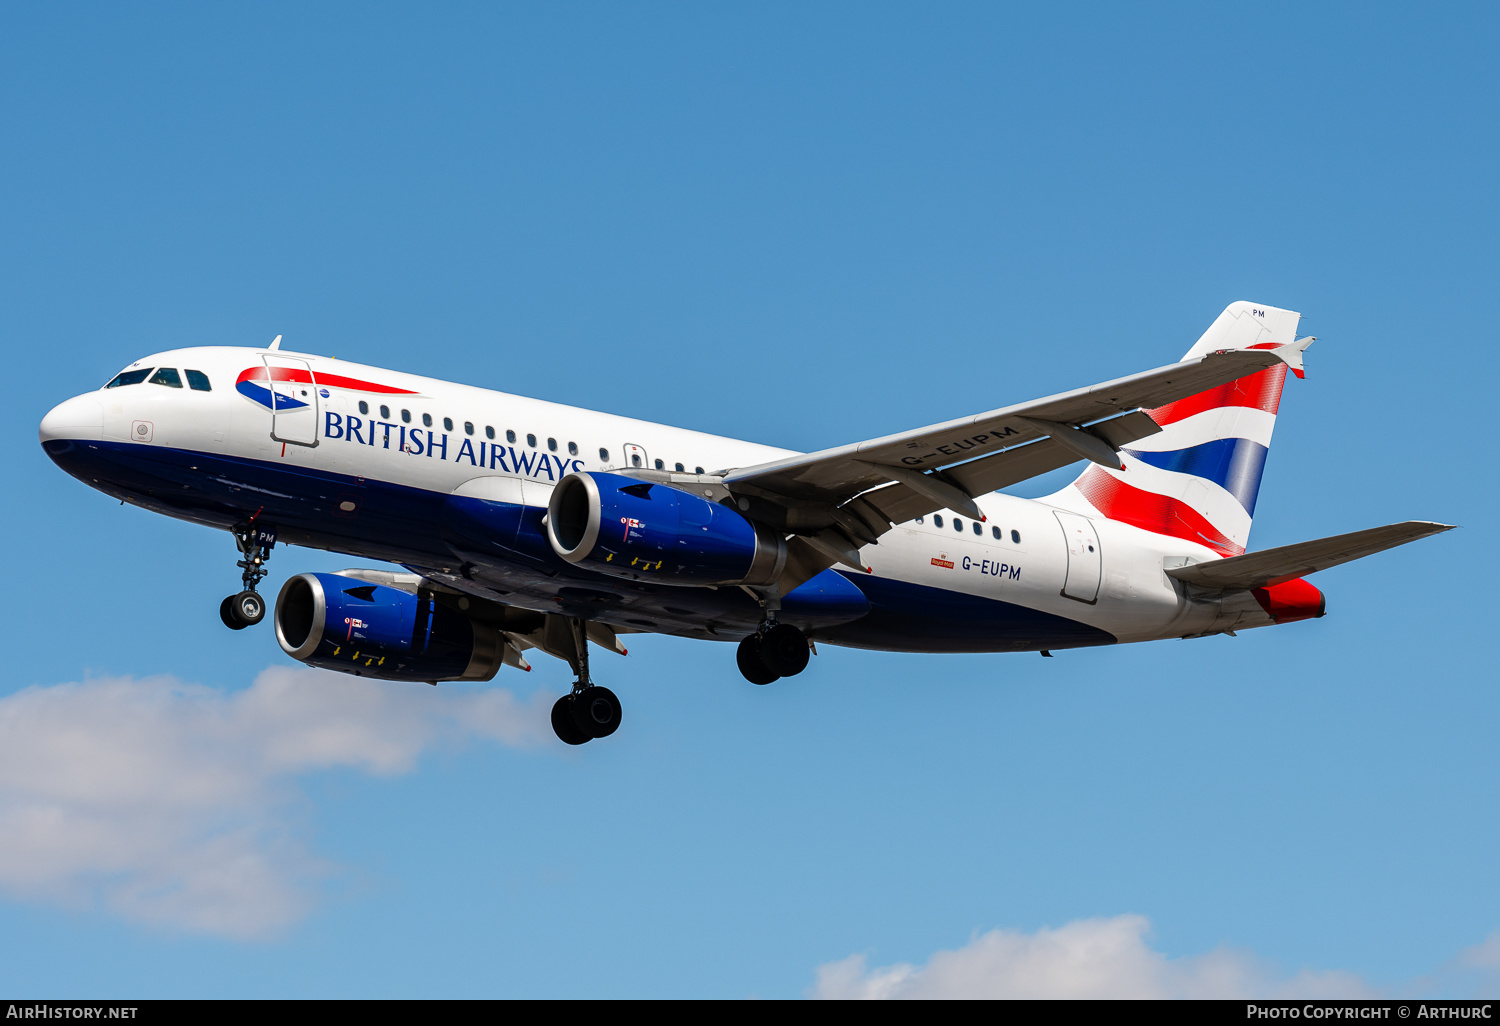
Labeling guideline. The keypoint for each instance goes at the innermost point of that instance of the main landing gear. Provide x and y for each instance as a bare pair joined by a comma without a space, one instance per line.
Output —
589,711
776,650
248,608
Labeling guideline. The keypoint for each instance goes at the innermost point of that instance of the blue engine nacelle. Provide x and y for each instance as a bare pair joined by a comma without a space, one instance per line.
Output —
642,530
342,623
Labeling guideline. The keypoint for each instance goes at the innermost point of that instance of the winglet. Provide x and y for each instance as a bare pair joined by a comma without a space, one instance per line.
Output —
275,343
1291,353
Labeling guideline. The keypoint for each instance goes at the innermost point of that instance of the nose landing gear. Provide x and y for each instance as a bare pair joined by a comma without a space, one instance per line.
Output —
776,650
589,711
248,608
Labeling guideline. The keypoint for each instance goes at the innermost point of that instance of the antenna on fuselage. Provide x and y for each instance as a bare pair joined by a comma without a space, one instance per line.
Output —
275,343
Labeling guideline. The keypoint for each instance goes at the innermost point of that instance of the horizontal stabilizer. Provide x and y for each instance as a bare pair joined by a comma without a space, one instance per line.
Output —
1288,562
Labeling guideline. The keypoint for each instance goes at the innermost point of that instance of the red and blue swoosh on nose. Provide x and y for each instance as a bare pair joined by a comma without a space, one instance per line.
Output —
258,385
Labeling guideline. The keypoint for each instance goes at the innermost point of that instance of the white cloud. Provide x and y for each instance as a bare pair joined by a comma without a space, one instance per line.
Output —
1475,970
1484,955
1089,958
172,803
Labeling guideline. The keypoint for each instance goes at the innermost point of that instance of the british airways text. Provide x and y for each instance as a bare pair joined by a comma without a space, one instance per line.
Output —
418,442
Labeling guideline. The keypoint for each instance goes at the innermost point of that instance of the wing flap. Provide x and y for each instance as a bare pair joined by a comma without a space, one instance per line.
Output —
1288,562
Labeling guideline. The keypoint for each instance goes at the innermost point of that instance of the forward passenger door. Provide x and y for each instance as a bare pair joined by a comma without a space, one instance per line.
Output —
294,399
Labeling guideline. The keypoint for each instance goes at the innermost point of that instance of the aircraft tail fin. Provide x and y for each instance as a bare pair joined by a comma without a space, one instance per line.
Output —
1199,477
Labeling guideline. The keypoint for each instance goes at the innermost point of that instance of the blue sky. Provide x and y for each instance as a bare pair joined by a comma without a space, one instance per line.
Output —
801,224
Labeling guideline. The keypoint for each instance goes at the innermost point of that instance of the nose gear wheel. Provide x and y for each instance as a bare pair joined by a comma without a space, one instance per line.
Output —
248,607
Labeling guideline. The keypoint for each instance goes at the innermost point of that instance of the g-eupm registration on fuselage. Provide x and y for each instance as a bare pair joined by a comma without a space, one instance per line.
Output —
523,525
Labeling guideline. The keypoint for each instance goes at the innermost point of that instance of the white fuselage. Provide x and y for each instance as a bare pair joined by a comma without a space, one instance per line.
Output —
445,438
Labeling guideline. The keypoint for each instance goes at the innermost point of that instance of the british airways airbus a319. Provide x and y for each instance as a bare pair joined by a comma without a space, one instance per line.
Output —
524,525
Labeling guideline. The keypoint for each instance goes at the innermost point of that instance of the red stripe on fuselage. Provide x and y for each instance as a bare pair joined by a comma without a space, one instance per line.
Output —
1159,514
296,374
1258,391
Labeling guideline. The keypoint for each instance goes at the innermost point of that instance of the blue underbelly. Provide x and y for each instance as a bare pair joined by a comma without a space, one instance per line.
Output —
910,617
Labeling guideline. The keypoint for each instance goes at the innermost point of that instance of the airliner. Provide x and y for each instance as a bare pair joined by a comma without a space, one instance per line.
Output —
520,526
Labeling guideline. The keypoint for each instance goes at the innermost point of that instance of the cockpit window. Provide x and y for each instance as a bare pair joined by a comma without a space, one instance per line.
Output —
198,381
167,376
130,377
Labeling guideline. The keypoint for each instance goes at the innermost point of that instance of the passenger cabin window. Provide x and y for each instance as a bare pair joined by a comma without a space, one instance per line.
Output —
996,532
167,376
552,444
697,470
977,528
364,407
921,520
427,420
385,413
406,416
603,455
681,469
572,448
958,525
1015,536
489,432
510,436
131,377
447,423
198,381
468,427
937,520
530,440
660,465
635,459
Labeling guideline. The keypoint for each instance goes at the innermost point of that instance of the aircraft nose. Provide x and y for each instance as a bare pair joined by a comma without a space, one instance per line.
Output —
80,418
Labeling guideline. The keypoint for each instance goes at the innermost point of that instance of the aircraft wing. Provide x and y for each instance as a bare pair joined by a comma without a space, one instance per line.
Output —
1287,562
840,499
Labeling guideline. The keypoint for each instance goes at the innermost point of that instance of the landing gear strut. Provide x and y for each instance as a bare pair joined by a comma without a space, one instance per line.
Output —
776,650
248,608
589,711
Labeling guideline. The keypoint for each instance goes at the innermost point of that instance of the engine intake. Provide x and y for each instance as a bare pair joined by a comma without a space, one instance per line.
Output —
341,623
642,530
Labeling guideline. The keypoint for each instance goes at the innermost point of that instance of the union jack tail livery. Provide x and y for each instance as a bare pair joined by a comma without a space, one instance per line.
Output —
1198,478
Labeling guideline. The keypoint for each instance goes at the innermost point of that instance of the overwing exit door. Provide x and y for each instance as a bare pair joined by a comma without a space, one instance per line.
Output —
1084,560
635,456
294,400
